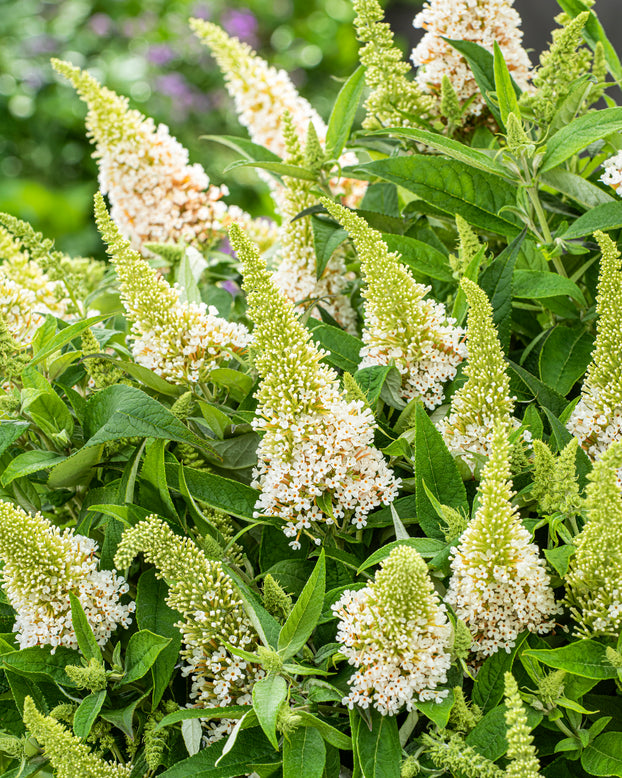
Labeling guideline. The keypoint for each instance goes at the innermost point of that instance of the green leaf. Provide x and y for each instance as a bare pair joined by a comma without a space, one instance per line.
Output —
377,749
580,133
436,466
559,558
594,33
343,113
380,382
427,547
123,718
577,188
506,96
186,276
327,236
142,651
246,148
604,755
39,664
438,712
537,285
328,732
153,487
564,357
305,613
497,281
30,462
343,348
269,694
278,169
231,712
607,216
154,614
406,508
452,148
218,492
545,396
584,657
65,336
10,431
87,712
422,259
123,411
304,754
84,634
489,735
489,684
76,468
453,187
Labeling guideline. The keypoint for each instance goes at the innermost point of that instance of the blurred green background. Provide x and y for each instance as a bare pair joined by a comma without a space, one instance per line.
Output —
144,49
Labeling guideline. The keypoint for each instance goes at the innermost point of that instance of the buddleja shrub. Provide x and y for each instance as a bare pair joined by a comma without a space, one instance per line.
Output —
341,495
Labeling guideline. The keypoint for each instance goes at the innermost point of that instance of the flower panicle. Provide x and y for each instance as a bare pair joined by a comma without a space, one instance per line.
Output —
521,752
401,327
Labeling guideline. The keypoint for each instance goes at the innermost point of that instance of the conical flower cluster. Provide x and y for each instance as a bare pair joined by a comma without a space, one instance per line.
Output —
396,634
263,95
593,583
68,755
394,101
212,614
480,21
42,566
156,195
316,461
484,400
597,418
521,752
499,585
401,327
180,341
296,275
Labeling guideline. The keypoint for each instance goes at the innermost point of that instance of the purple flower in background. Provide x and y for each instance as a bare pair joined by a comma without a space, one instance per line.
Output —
242,24
184,96
201,11
41,44
231,287
161,54
101,24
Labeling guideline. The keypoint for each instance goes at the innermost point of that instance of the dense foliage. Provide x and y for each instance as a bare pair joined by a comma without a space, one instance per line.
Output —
339,495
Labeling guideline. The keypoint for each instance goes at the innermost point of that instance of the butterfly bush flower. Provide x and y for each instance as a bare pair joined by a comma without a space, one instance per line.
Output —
396,634
296,275
596,420
613,171
179,341
393,101
212,614
593,583
401,327
499,585
156,195
42,566
317,464
480,21
521,752
68,755
484,400
263,94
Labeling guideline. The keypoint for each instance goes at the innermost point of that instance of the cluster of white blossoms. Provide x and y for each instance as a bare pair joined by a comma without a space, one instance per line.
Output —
42,566
596,420
263,95
480,21
296,275
156,195
396,634
593,588
180,341
401,327
484,400
316,461
613,171
499,585
212,615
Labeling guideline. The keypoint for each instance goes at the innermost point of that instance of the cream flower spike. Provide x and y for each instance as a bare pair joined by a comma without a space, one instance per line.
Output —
396,634
401,327
42,566
68,755
212,615
499,585
594,581
263,95
316,461
597,418
179,341
156,195
479,21
484,400
296,275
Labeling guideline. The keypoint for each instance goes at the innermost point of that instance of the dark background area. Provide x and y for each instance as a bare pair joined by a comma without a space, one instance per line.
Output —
144,49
